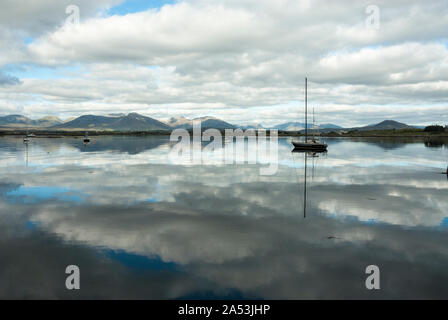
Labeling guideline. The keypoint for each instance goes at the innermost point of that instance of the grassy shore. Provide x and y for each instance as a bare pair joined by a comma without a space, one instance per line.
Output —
417,133
388,133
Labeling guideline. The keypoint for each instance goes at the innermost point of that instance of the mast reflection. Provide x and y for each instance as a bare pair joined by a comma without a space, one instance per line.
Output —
313,155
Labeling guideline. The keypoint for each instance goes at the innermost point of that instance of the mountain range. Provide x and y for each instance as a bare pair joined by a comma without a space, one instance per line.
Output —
206,122
297,126
130,122
111,122
19,121
385,125
138,122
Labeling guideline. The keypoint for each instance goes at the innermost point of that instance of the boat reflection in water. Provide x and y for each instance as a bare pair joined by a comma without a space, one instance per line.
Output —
307,154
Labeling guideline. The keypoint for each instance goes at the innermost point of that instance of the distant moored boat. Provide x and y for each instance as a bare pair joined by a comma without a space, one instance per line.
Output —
26,138
86,138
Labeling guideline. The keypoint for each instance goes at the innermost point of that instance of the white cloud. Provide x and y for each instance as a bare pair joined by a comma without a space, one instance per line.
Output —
236,58
37,17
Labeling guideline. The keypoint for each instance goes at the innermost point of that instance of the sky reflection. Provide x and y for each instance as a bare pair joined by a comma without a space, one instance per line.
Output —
133,220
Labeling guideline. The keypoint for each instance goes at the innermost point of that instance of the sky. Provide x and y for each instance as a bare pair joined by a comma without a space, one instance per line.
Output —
243,61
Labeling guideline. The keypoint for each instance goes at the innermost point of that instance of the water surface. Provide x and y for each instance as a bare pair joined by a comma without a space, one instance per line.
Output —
139,225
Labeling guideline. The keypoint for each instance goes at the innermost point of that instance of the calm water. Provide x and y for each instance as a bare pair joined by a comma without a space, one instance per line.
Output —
139,225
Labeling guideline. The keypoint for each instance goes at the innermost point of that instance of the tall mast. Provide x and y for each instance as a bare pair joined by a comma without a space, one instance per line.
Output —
306,109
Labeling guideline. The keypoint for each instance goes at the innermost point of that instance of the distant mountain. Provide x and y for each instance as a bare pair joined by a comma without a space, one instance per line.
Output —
329,126
386,125
251,126
135,121
289,126
179,123
69,119
211,122
19,121
206,122
130,122
297,126
47,121
15,119
87,122
116,115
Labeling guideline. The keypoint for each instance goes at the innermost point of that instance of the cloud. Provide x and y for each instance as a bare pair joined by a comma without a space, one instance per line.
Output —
389,179
6,79
228,58
38,17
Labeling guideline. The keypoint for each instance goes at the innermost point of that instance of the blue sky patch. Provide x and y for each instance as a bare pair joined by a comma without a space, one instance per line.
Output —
133,6
40,72
28,40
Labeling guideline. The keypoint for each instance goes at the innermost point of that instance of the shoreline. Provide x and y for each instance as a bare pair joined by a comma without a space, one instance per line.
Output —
333,134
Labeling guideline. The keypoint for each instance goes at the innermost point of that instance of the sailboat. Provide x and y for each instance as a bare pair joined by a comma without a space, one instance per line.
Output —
86,138
26,139
313,144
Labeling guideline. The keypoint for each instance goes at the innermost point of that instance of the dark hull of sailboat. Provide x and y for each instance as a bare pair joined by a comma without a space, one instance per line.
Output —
311,146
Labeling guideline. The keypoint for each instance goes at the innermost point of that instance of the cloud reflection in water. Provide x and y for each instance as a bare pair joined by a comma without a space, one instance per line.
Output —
150,229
